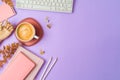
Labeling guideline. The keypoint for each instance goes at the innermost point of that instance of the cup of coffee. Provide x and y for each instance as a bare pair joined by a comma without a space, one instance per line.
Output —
25,32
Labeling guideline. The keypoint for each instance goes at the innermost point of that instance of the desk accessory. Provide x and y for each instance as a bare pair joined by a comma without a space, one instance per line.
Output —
38,28
46,5
37,60
6,12
48,68
18,68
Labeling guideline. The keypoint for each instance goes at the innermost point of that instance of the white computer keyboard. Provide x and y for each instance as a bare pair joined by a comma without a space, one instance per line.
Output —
46,5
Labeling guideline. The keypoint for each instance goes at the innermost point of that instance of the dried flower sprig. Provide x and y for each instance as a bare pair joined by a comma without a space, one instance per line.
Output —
48,24
42,52
7,52
9,2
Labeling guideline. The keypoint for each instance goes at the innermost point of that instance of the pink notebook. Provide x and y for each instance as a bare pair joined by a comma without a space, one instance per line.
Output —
37,60
18,68
6,12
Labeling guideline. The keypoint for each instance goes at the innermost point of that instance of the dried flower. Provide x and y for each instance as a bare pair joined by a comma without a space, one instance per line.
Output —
49,26
9,2
42,52
7,52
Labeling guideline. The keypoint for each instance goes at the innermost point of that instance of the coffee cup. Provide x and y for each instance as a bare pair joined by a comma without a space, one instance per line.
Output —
25,32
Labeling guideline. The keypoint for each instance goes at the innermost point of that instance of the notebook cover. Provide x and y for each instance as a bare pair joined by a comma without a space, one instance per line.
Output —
6,12
37,60
18,68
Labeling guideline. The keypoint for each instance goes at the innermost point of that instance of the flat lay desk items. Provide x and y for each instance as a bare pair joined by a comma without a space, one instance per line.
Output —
23,64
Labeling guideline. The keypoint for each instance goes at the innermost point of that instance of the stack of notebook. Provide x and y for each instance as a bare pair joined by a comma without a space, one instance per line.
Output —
24,65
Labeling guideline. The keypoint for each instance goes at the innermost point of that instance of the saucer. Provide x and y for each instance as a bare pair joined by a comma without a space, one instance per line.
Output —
39,31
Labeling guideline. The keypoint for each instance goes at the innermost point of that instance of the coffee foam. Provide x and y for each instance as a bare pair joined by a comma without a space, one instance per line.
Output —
25,32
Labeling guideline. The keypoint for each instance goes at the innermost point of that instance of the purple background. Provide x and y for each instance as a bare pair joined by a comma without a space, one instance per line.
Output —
87,42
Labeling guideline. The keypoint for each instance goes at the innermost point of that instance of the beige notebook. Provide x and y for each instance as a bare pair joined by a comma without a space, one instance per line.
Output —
37,60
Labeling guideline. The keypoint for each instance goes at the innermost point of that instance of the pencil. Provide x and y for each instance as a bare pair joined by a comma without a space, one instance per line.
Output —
50,68
46,68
